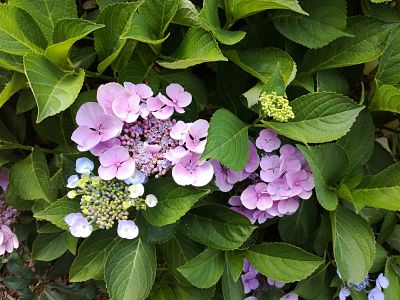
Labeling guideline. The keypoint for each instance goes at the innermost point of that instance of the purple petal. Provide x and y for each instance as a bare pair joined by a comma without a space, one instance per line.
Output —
107,93
126,169
86,138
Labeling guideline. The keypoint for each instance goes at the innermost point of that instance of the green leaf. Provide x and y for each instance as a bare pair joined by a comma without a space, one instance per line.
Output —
209,20
66,33
130,270
49,246
58,210
54,89
151,21
386,98
47,12
368,43
17,82
379,260
353,244
326,172
186,14
30,178
11,62
263,62
238,9
227,140
174,201
381,190
332,81
298,228
107,40
198,46
359,141
19,33
319,118
282,262
216,226
204,270
234,261
391,272
389,63
314,286
177,252
325,23
231,289
92,254
154,234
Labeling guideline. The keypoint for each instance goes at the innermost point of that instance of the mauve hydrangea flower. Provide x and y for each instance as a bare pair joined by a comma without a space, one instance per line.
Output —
179,131
78,225
127,109
256,196
177,97
104,146
107,93
158,108
290,296
141,89
236,205
127,229
292,159
176,154
301,183
3,178
191,171
249,277
382,281
95,126
268,140
196,138
277,284
270,168
116,163
136,178
8,240
376,294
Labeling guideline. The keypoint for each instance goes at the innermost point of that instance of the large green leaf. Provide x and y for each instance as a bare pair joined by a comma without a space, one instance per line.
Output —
11,62
381,190
386,98
353,244
209,20
332,81
130,270
66,33
54,89
231,289
92,254
204,270
389,63
30,177
58,210
186,14
391,272
263,62
282,262
151,21
47,12
319,118
17,82
49,246
177,252
198,46
325,23
216,226
227,140
107,40
368,43
238,9
174,201
19,33
326,172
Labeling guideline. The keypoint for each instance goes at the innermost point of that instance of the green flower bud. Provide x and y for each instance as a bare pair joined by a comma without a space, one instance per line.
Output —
276,107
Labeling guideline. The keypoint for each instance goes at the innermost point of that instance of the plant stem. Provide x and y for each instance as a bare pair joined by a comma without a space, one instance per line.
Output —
98,75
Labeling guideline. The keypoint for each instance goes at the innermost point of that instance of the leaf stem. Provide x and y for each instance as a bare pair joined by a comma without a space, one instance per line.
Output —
11,145
98,75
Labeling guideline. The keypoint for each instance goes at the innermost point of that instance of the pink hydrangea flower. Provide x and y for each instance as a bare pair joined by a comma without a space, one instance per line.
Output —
8,240
196,138
283,207
225,178
176,154
3,178
158,108
104,146
116,163
270,168
177,97
141,89
127,109
179,131
254,159
301,183
268,140
107,93
279,189
95,126
291,158
256,196
191,171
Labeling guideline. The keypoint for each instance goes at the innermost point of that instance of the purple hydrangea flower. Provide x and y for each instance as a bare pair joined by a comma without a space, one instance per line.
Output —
116,163
268,140
3,178
256,196
249,277
191,171
8,240
290,296
196,138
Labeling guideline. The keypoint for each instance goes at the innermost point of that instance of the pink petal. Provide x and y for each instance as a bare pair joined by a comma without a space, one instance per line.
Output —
114,156
174,90
165,100
254,159
127,108
3,179
154,103
110,127
86,138
143,91
126,169
235,201
88,114
176,154
104,146
151,148
203,175
107,173
107,93
181,175
199,129
249,197
184,99
163,113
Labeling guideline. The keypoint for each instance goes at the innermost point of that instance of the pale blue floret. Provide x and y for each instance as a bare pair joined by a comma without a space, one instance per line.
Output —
137,178
84,165
72,181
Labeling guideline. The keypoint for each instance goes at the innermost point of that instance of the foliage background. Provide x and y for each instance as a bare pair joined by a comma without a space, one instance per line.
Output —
55,53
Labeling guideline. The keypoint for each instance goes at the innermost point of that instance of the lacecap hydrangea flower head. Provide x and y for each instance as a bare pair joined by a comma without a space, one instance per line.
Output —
8,216
132,132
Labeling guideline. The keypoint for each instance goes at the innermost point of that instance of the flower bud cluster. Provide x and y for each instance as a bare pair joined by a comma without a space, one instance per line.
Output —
276,107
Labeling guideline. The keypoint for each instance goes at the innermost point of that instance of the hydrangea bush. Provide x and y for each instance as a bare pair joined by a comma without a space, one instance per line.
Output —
185,149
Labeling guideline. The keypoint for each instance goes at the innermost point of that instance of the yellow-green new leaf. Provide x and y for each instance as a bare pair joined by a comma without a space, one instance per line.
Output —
18,82
386,98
